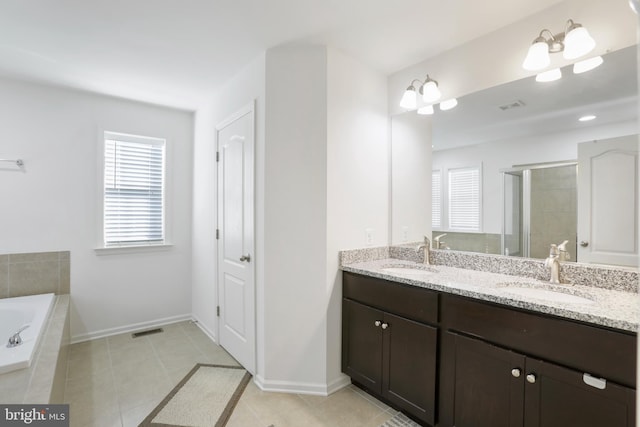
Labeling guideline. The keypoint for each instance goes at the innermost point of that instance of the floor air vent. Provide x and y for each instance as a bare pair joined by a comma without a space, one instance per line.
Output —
147,332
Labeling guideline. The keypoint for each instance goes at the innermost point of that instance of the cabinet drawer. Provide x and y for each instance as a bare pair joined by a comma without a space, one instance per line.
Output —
598,351
404,300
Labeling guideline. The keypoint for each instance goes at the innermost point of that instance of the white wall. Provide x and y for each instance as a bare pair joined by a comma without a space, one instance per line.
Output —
410,173
295,218
504,154
497,58
55,203
357,178
248,85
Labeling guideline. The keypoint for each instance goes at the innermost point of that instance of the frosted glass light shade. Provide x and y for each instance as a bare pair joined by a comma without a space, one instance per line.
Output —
430,92
409,99
587,64
537,57
448,104
427,110
549,76
577,43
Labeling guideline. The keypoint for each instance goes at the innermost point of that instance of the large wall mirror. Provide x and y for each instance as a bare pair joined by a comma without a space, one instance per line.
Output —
515,168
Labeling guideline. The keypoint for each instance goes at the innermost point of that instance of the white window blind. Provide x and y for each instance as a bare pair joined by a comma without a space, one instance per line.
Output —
134,169
436,200
464,199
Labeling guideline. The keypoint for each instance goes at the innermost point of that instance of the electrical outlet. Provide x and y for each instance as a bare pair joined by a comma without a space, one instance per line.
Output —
369,235
405,233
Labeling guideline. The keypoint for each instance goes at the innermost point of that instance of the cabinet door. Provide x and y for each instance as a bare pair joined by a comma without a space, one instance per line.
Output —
409,370
488,385
362,344
559,397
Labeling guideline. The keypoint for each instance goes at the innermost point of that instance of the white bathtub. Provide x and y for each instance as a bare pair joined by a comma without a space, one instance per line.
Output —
15,313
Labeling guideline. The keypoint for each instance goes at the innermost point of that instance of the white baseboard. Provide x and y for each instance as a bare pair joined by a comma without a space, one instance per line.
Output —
317,389
130,328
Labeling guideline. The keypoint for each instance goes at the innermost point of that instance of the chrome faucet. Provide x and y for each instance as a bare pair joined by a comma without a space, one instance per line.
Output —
553,263
425,246
437,244
15,339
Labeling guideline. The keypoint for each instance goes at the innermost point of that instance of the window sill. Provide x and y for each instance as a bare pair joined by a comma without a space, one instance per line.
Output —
119,250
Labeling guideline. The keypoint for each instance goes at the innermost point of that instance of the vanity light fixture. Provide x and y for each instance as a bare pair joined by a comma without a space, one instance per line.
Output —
549,76
448,104
587,118
574,42
428,89
587,64
427,110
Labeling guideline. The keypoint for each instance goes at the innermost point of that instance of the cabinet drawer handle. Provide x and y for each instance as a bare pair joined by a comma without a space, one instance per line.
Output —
385,325
515,372
377,323
531,378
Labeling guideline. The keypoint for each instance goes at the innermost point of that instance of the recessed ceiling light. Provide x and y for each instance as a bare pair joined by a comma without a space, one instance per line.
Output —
587,118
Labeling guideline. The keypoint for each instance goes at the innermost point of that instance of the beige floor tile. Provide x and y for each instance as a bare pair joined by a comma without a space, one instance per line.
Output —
97,363
347,408
134,416
140,371
131,352
86,348
243,416
137,393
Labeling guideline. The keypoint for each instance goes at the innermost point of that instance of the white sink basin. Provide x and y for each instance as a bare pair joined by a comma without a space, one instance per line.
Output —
547,294
407,269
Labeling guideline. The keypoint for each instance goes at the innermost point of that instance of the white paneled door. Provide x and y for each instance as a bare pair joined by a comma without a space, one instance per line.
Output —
608,201
236,271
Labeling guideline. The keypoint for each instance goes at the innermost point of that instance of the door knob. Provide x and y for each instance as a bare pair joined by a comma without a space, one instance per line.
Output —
377,323
531,378
515,372
584,243
385,325
246,258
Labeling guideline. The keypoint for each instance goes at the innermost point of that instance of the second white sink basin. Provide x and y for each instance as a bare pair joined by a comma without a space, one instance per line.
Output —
547,294
408,269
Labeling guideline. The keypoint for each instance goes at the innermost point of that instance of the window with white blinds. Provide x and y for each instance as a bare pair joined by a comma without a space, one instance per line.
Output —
436,199
464,199
134,175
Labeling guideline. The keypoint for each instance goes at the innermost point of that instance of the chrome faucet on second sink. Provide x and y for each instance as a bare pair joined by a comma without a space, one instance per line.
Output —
426,246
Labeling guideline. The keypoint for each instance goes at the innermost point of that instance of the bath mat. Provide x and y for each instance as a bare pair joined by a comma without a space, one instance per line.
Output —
205,397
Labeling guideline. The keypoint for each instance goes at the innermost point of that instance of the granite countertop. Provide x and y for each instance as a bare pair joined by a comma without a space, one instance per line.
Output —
612,308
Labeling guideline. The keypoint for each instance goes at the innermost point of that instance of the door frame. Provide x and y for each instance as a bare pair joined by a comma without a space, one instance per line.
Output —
246,109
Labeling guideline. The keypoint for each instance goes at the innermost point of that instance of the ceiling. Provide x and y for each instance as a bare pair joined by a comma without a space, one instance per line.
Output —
177,53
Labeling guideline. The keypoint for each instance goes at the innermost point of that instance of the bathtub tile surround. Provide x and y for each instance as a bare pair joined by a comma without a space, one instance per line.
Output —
35,273
43,382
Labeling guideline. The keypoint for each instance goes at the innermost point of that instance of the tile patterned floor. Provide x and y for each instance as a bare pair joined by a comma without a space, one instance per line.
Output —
117,381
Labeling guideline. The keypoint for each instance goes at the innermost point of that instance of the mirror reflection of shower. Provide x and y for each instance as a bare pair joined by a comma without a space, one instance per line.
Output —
550,188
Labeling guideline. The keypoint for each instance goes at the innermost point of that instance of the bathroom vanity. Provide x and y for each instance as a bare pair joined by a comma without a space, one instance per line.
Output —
454,347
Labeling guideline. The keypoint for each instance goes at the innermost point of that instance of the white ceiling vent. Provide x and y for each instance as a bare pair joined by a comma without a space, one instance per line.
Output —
511,105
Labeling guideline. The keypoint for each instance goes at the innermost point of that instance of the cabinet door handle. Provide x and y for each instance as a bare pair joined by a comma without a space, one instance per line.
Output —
385,325
377,323
531,378
516,372
246,258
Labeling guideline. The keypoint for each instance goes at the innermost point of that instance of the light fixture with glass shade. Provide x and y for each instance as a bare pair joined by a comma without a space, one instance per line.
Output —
428,89
427,110
587,64
549,76
574,42
448,104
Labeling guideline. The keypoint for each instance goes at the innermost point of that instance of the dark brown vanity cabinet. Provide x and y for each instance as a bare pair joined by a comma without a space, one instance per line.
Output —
544,383
390,353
